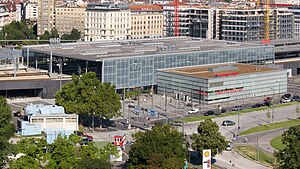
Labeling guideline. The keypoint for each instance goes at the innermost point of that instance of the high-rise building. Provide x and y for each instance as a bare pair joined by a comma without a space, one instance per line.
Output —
46,15
296,11
241,24
146,21
107,21
31,10
68,18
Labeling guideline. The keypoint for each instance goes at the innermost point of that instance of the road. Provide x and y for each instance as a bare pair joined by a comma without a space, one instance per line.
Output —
247,120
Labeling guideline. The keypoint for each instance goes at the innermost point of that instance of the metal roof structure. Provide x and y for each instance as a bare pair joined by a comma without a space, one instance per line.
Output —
113,49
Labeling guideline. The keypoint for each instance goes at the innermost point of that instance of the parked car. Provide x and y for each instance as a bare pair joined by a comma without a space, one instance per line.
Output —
228,123
237,108
267,103
257,105
268,99
296,98
177,123
286,100
286,96
193,111
209,113
223,111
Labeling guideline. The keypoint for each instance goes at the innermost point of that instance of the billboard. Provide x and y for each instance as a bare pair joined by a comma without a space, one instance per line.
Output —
206,159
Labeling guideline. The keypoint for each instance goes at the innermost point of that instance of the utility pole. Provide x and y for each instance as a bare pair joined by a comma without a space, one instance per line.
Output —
192,95
152,94
166,99
129,125
124,102
239,127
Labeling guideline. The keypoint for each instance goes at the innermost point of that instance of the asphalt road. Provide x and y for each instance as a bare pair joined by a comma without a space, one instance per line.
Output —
247,120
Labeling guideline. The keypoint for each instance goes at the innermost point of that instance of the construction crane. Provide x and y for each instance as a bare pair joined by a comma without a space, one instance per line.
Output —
266,40
176,18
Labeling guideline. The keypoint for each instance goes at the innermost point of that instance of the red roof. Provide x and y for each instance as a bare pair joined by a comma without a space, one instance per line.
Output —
145,8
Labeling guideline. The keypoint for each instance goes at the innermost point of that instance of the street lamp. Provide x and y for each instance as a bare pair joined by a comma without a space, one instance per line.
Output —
257,146
278,90
272,104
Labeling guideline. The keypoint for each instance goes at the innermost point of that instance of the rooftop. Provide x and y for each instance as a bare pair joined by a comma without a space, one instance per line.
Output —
219,70
113,49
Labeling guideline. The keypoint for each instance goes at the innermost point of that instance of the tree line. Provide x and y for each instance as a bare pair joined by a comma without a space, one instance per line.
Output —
26,30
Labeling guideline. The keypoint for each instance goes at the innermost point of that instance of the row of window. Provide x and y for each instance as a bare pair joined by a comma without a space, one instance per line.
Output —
53,120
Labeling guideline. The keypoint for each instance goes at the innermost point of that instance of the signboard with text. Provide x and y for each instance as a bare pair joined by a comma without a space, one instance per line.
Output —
206,159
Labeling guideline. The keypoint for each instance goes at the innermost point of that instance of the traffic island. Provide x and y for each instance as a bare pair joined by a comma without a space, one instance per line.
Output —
252,154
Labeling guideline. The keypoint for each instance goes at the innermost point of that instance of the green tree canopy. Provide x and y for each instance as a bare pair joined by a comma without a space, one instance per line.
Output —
86,95
209,137
93,163
74,35
289,157
17,31
63,153
161,147
7,129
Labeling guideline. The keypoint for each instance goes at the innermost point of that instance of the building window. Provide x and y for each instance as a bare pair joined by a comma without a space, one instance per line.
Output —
70,119
37,121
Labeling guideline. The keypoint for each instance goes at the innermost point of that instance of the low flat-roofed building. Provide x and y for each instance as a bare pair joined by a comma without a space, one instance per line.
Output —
219,83
38,118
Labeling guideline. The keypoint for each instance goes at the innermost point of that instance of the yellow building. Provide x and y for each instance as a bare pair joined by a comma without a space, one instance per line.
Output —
46,15
68,18
146,21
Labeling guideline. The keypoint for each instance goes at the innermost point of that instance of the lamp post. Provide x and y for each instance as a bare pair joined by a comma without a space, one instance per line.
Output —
257,146
239,127
278,91
272,104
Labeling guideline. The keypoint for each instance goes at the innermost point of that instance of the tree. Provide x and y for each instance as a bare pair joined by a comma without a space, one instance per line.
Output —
86,95
74,35
289,157
161,147
62,153
7,129
45,36
25,162
209,137
93,163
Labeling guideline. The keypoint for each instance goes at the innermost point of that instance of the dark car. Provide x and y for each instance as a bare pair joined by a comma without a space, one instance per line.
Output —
228,123
209,113
268,104
257,105
223,111
296,98
237,108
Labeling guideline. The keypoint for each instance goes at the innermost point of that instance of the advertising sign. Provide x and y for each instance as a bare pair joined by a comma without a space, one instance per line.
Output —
206,159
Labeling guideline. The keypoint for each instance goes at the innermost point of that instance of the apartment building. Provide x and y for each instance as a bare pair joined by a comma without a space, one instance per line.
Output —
31,10
46,15
7,14
146,21
240,24
68,18
249,24
184,19
110,21
296,11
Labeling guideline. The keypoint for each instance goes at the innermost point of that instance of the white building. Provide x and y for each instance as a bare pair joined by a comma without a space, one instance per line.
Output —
31,10
107,21
7,14
51,117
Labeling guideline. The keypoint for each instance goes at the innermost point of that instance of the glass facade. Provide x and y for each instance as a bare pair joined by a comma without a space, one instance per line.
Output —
141,71
137,71
218,90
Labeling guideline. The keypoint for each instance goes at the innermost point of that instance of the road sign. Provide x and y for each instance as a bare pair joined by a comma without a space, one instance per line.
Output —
206,159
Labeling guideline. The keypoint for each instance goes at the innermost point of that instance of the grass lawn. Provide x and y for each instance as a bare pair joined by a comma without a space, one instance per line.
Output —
101,144
251,153
276,143
272,126
198,118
